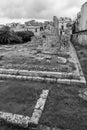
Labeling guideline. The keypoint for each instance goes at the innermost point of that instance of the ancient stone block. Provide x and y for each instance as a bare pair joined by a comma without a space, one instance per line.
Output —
50,79
44,94
40,103
15,119
35,117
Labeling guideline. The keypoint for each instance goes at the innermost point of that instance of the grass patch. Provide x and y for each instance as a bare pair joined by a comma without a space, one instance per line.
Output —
20,97
82,55
25,56
64,109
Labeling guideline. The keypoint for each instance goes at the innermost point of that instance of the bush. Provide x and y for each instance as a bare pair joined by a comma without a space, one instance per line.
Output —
26,35
8,37
15,38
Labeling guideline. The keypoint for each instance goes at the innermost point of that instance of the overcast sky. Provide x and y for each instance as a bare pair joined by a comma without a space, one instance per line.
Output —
38,9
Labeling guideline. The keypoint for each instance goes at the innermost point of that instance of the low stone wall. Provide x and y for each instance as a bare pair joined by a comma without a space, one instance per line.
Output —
26,121
80,37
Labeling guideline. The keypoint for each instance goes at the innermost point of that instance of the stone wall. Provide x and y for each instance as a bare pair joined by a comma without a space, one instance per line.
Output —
80,38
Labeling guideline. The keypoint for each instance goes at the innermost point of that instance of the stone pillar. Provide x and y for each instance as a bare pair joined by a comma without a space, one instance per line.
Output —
56,25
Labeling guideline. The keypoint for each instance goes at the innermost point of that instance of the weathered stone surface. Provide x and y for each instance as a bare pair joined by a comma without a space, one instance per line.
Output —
29,78
39,107
62,60
36,116
37,78
63,81
52,80
19,77
44,94
15,119
40,103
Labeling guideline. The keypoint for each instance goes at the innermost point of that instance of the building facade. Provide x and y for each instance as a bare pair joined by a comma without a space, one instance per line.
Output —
65,25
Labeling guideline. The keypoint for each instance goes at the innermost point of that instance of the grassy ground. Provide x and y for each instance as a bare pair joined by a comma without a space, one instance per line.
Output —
64,108
82,55
34,56
20,97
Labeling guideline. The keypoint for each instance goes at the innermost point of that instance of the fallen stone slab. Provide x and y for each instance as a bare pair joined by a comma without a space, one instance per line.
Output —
50,80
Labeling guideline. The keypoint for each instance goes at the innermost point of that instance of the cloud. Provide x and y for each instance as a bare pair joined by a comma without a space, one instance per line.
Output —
39,9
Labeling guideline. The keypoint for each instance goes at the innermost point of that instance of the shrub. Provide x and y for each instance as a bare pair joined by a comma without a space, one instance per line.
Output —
26,35
8,37
15,38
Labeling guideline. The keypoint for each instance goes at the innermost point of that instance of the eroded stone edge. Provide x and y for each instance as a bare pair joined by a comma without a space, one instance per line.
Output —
42,79
39,107
25,121
15,119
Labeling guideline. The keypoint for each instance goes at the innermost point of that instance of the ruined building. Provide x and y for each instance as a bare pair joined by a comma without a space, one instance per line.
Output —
80,26
81,21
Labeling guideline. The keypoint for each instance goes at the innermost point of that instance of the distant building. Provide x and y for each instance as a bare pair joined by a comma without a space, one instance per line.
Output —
64,25
12,25
48,25
34,26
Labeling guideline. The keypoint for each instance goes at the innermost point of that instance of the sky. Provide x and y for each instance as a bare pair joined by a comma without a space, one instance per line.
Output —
22,10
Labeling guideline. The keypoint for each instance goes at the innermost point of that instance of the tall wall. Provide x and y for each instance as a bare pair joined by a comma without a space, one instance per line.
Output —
83,20
81,27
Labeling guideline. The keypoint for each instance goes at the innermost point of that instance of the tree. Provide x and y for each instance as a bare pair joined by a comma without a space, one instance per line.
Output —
26,35
8,37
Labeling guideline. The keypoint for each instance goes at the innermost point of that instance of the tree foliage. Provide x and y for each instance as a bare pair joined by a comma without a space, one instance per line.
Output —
26,35
7,36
